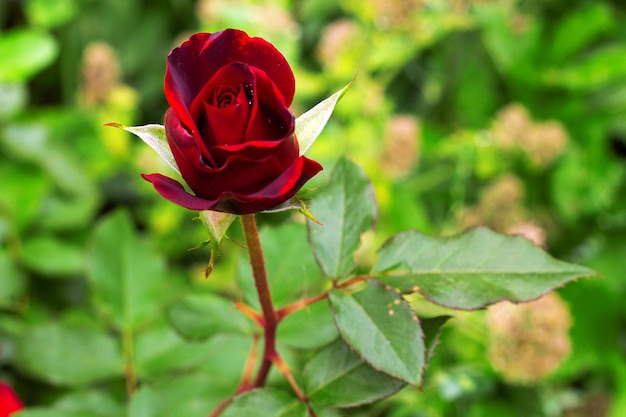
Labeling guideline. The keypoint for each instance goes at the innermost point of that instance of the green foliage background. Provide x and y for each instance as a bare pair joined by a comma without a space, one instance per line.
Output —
505,113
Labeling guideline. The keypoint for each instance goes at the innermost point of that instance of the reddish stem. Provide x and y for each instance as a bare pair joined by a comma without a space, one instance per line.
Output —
300,304
247,311
253,242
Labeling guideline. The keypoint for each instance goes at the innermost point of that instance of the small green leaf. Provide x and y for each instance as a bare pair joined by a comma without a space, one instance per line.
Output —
50,13
145,403
13,281
53,257
579,28
346,208
189,394
126,277
432,328
200,316
86,402
310,124
604,67
337,377
13,99
265,402
154,136
159,350
21,194
226,355
24,52
217,225
381,327
309,328
63,354
473,269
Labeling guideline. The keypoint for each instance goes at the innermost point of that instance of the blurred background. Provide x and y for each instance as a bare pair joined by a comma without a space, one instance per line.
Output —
507,113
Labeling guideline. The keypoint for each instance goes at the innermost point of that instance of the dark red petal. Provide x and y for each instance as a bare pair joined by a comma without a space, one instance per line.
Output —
224,124
173,191
278,191
285,150
190,66
239,175
270,118
190,155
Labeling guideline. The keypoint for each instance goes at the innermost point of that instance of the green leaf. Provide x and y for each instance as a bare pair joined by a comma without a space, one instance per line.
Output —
200,316
309,328
581,174
473,269
160,350
145,403
337,377
265,402
464,382
432,328
188,395
291,268
50,13
64,212
21,194
381,327
64,354
154,136
310,124
90,402
346,208
603,67
511,50
13,99
228,353
579,28
13,282
53,257
24,52
217,225
126,277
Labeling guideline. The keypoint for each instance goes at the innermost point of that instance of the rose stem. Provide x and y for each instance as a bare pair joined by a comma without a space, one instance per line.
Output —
253,242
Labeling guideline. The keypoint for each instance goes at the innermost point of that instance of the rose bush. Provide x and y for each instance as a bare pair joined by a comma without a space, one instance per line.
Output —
9,401
229,126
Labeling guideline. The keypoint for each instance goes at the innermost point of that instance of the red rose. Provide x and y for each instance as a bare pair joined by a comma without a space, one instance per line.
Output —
9,401
229,125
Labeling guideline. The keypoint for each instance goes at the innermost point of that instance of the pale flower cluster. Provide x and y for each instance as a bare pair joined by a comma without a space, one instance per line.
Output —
541,142
528,341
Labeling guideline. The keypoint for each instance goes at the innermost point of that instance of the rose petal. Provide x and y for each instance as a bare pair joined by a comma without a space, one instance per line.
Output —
224,125
190,155
195,62
172,190
285,151
240,175
281,189
270,118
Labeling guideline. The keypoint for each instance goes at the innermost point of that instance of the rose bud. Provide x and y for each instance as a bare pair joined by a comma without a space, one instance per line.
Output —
229,126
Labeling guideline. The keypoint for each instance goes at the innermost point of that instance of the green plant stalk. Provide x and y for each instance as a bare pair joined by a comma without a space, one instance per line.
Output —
257,262
129,369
